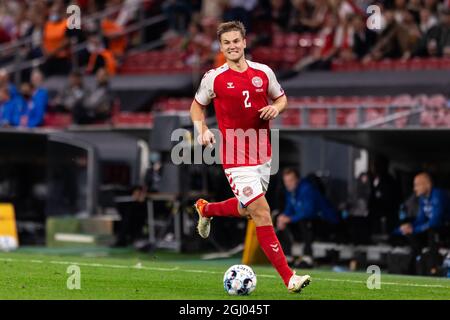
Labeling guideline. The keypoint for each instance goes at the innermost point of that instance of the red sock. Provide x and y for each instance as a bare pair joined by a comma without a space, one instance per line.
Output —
227,208
271,246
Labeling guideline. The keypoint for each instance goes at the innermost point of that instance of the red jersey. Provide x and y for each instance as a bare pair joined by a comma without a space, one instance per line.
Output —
237,98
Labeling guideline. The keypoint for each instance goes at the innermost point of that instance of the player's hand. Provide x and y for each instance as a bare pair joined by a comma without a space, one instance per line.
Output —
206,138
406,228
268,112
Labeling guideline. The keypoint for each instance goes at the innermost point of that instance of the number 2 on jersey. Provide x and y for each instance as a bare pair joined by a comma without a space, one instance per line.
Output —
246,93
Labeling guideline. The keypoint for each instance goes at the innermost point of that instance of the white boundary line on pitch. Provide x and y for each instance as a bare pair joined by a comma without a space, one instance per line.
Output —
139,266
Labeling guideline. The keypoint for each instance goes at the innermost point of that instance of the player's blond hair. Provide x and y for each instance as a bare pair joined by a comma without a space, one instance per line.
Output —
230,26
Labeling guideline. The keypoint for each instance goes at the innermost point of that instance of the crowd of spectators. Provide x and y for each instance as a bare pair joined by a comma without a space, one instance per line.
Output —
23,107
37,33
408,28
43,29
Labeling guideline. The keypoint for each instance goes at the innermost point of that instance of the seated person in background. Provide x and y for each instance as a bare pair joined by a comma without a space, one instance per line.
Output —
30,106
384,198
35,100
97,104
72,95
6,107
305,212
10,107
5,82
430,223
133,217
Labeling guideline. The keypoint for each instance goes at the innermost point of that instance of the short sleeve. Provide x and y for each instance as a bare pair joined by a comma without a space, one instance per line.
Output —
205,92
274,89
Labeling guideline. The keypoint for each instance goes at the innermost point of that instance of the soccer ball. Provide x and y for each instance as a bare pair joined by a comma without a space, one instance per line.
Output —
239,280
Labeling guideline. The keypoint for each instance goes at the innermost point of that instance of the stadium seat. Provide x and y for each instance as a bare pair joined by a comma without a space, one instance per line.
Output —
57,120
318,117
291,118
130,119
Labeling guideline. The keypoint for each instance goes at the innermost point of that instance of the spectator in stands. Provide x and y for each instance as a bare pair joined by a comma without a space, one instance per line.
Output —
399,8
308,16
35,100
322,55
307,213
431,5
436,38
72,95
212,9
431,222
384,198
56,45
363,38
427,20
116,40
395,41
97,104
279,11
178,13
240,10
343,39
35,31
100,57
5,82
128,12
413,34
7,107
7,15
415,8
197,44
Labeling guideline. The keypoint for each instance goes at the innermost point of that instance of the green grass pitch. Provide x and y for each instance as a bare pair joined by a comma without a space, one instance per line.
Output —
166,276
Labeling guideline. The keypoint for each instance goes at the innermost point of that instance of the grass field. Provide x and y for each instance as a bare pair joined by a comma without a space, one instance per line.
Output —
30,274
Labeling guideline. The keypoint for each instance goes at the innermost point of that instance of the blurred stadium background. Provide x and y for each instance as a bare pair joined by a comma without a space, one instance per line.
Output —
94,169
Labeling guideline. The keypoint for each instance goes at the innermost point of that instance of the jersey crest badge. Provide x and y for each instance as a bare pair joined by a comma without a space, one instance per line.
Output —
257,81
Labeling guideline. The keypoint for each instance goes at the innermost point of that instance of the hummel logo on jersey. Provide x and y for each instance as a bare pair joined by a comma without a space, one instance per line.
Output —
275,247
230,85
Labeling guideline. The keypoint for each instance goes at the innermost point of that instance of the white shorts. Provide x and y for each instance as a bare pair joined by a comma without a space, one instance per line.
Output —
249,183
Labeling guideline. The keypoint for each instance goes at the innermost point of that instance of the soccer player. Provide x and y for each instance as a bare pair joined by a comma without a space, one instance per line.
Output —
240,89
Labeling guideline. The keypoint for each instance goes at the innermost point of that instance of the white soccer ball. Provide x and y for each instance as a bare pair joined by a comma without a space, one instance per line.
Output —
239,280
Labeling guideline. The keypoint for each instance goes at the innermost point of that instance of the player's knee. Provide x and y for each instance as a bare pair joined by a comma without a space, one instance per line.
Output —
261,214
243,212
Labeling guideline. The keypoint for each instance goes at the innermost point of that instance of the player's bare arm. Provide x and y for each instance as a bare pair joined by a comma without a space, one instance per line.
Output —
205,137
272,111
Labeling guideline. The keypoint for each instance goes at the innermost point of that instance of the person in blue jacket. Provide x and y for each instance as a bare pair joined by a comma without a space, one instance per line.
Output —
34,103
10,107
5,82
432,220
306,210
